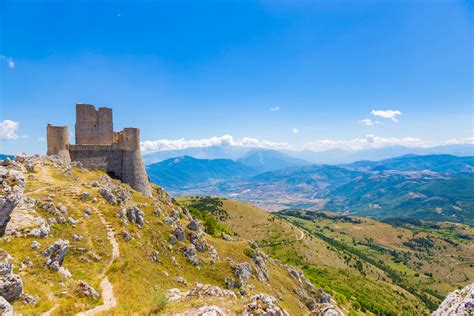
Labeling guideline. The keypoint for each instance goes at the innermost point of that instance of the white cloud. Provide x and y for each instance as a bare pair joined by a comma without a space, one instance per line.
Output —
369,122
387,114
295,131
41,139
463,140
367,142
366,122
275,108
226,140
8,60
8,129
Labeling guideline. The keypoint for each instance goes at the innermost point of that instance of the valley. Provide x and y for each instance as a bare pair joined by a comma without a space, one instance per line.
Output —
367,265
433,187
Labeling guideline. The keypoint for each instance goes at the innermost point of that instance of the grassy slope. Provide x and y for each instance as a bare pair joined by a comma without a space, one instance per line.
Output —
433,271
139,284
327,267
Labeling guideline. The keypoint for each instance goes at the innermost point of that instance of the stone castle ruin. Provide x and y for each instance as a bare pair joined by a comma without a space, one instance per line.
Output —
98,147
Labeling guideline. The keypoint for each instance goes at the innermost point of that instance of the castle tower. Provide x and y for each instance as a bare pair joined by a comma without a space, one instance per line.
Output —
133,168
58,141
93,126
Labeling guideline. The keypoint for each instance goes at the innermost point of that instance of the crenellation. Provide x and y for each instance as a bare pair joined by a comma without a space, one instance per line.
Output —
98,147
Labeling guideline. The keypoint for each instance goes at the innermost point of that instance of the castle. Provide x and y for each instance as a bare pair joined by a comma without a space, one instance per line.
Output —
98,147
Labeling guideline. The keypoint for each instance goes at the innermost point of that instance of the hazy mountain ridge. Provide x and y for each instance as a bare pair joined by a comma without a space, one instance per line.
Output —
184,171
434,187
330,156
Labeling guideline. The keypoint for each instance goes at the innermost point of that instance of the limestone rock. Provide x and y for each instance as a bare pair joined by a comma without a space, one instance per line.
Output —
326,309
262,304
210,311
11,285
243,272
200,291
35,245
83,289
56,253
5,308
12,185
108,196
459,302
227,237
136,216
126,236
194,226
190,254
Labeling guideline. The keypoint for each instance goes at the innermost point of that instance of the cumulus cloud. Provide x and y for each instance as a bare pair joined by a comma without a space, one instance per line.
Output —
387,114
8,130
295,131
226,140
275,108
8,60
367,142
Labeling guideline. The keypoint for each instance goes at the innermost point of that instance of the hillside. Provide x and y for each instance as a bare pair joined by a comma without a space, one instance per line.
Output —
79,241
182,172
363,279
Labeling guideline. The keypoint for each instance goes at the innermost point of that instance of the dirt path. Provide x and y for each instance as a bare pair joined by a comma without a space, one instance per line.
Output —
301,237
108,296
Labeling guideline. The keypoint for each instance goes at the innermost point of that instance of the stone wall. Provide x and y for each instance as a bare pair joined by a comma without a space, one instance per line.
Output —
98,157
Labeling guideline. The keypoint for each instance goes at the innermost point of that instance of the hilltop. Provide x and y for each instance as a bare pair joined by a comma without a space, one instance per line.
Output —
79,241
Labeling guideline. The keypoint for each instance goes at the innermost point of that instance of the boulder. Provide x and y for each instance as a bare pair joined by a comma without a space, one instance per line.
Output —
262,304
83,289
136,216
56,253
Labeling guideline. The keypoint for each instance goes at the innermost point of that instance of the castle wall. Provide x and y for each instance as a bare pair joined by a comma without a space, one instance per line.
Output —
98,157
93,126
58,141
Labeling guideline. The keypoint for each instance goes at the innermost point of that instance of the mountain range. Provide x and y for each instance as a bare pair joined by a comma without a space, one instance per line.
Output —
434,187
331,156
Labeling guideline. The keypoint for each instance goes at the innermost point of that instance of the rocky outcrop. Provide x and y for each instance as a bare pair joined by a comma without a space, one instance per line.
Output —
200,291
83,289
459,302
5,308
136,216
56,253
242,272
262,304
11,286
12,185
317,301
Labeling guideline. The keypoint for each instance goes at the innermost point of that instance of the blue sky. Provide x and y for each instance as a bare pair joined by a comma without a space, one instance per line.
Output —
280,74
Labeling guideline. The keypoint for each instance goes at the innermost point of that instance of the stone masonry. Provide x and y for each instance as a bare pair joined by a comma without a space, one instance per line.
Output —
98,147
